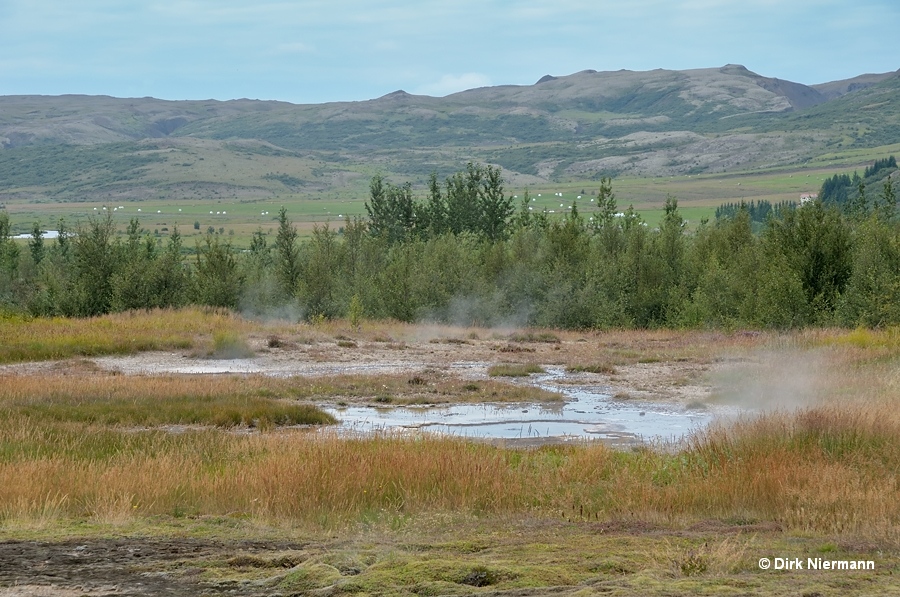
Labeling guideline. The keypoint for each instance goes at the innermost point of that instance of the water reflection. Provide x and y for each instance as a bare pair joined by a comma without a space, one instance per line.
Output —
588,412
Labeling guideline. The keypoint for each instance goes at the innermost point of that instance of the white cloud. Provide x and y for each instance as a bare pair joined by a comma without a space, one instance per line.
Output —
452,83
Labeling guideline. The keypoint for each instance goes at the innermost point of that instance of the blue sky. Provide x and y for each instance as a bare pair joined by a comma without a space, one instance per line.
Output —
316,51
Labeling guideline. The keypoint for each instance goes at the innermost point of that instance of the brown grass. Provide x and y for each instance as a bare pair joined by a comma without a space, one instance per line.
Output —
117,400
427,387
514,370
123,333
820,471
601,368
77,392
828,467
312,478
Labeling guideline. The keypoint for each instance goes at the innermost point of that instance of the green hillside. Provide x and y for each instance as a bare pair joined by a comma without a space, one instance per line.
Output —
562,130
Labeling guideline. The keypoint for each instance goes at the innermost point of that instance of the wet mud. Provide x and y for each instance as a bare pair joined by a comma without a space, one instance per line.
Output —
122,567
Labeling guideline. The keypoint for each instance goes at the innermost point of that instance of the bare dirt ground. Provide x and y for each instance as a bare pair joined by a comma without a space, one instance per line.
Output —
673,368
85,568
126,566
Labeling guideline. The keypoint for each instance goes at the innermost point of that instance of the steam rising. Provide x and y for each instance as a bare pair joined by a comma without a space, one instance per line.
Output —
773,380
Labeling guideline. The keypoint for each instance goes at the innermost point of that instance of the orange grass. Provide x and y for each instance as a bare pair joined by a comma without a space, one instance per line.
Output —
121,333
828,467
70,390
117,400
309,477
822,470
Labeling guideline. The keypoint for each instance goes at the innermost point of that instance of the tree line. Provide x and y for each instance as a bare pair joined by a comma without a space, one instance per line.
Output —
465,253
759,211
852,193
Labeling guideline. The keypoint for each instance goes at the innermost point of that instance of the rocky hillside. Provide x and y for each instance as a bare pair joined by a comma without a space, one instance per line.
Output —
579,126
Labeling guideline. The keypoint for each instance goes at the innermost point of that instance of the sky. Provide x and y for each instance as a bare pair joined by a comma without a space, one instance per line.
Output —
315,51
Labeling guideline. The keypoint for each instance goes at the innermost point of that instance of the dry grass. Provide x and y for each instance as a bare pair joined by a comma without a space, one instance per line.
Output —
79,393
601,368
823,471
514,370
425,387
828,467
535,336
67,470
116,400
228,344
123,333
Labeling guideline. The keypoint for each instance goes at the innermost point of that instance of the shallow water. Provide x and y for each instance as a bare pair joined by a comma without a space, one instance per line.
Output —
49,234
586,413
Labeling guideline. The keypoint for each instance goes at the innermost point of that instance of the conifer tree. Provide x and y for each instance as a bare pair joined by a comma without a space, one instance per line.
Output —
288,266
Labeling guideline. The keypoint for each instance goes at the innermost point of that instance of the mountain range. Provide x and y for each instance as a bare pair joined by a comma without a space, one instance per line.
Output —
576,127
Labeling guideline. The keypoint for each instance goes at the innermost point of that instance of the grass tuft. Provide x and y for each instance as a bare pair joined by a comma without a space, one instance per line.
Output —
515,348
514,370
602,368
534,336
480,576
228,344
274,341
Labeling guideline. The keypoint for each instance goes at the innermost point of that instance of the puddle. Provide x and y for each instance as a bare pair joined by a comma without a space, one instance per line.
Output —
587,413
166,363
48,234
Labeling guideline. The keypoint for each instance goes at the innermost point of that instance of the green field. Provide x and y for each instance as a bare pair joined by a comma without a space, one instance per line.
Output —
246,208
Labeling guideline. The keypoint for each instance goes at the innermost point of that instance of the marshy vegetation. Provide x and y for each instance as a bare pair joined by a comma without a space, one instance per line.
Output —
825,471
77,438
514,370
84,450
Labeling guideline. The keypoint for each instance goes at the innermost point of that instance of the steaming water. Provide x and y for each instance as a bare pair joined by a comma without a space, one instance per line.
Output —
586,413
